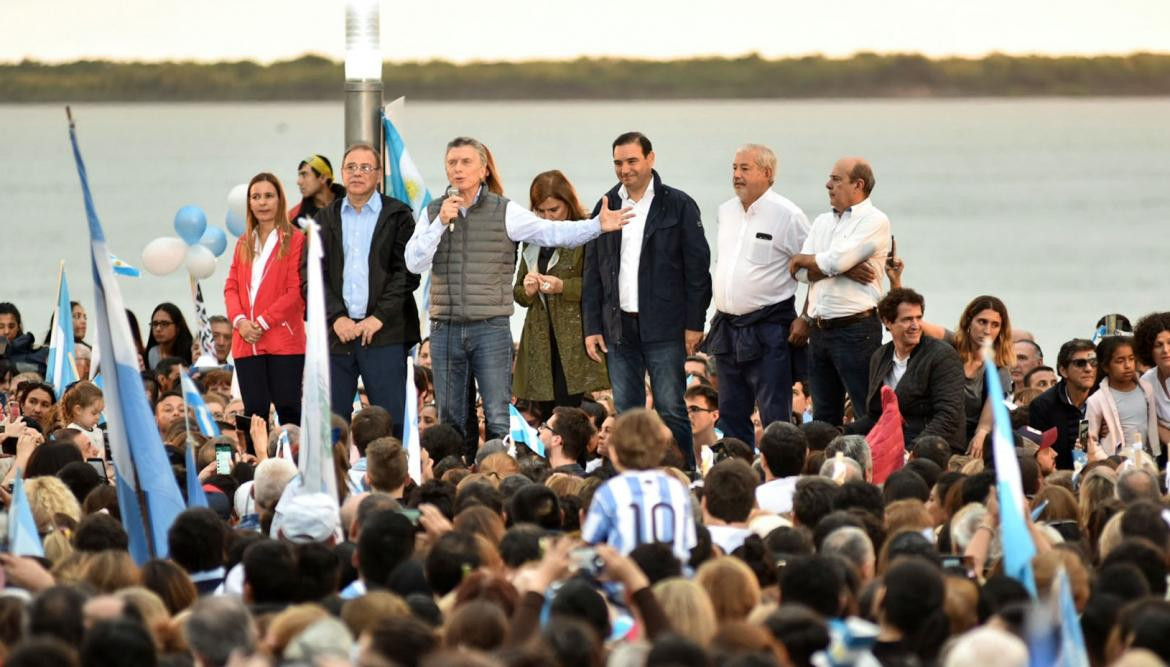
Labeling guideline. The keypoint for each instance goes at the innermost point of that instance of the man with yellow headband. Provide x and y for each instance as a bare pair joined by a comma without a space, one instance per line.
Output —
315,179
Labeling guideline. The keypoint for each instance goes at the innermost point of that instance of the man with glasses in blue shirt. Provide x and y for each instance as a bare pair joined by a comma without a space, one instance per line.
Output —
1063,405
369,298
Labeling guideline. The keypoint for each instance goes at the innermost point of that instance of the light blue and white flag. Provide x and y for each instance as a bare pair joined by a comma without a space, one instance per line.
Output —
316,452
520,432
410,440
122,268
1018,548
406,182
1073,652
406,185
203,416
62,369
283,446
142,470
196,497
23,537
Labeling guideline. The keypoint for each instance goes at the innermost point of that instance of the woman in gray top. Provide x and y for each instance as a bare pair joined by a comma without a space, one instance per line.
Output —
984,319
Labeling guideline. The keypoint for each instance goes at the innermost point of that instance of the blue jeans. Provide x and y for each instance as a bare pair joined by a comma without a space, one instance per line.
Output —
838,361
630,358
383,372
765,381
484,348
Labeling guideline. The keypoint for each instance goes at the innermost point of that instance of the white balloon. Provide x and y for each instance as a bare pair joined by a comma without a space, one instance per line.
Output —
164,254
238,200
200,262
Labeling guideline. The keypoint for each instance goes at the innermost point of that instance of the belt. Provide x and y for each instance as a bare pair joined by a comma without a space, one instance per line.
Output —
838,322
627,313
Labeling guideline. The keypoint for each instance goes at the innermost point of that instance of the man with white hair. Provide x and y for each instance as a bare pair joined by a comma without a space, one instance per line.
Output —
216,627
854,546
270,478
842,469
755,296
854,447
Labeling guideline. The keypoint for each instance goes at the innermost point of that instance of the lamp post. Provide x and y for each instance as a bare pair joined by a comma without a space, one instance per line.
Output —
363,73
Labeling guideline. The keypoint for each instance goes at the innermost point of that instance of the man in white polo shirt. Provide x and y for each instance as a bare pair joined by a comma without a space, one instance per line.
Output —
759,233
842,262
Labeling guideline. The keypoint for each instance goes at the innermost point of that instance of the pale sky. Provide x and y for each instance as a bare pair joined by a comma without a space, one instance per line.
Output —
461,30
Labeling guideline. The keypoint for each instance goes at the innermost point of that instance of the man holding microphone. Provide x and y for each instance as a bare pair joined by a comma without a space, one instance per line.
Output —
468,241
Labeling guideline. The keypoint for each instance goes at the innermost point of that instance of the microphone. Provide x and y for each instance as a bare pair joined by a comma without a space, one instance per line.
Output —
452,191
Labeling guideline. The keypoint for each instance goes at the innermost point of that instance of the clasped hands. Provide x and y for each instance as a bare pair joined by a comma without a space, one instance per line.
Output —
347,330
535,282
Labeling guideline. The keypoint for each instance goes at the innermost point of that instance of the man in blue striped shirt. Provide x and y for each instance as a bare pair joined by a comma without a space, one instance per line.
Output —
642,504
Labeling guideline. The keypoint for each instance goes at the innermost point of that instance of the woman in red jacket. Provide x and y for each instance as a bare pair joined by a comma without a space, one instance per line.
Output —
266,306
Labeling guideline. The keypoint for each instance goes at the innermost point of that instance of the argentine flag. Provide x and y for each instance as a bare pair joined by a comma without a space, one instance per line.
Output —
207,425
410,440
521,432
23,537
62,370
316,452
1018,548
406,183
148,496
196,497
122,268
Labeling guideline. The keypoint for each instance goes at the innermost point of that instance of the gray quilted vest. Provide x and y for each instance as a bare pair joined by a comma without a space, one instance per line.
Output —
471,274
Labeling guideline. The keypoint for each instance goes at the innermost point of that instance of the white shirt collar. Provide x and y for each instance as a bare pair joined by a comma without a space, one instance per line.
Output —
625,194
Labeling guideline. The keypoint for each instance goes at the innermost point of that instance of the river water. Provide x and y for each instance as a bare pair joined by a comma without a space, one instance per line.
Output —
1059,206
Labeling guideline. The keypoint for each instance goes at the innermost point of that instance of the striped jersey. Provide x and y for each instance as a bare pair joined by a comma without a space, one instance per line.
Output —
639,507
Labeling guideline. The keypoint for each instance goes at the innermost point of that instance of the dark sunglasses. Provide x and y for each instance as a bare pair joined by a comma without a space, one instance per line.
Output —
1087,362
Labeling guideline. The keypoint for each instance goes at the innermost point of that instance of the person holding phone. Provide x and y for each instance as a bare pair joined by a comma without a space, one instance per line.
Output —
266,305
1063,405
842,261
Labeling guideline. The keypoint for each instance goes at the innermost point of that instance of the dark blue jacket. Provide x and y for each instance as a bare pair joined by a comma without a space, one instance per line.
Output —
1053,409
674,272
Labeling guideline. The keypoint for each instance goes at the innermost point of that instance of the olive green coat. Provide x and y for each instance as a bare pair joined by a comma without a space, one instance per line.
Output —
532,378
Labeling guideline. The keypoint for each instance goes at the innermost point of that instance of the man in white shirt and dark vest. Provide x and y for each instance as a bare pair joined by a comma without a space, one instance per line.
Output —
759,233
646,290
842,262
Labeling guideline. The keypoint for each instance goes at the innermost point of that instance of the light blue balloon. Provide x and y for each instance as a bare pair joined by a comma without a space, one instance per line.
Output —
214,239
235,224
190,223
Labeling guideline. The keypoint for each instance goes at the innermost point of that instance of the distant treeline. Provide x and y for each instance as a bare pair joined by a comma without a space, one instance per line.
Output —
862,75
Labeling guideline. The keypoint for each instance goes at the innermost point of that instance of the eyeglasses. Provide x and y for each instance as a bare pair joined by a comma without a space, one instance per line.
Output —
694,409
161,324
364,168
1087,362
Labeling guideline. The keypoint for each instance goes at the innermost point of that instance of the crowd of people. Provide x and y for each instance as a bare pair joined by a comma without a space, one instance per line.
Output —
703,492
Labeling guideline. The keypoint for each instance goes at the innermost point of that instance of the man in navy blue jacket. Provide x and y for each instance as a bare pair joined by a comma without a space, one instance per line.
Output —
647,288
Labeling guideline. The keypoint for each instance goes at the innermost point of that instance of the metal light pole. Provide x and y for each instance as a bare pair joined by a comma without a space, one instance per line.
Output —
363,73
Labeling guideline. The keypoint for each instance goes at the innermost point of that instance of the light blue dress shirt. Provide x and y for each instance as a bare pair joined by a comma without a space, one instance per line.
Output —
357,233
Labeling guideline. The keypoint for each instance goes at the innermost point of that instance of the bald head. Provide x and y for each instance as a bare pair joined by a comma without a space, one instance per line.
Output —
850,183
